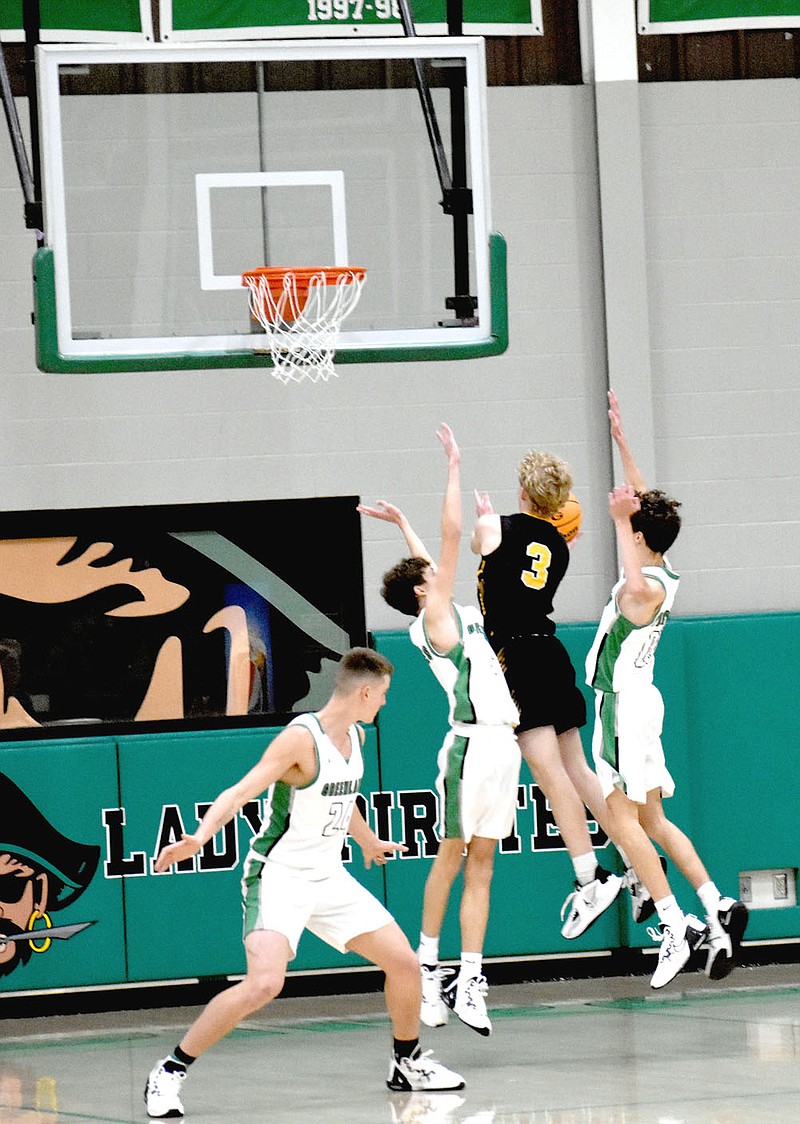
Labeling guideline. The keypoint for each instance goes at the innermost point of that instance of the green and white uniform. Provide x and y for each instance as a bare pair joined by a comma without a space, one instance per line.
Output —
293,875
479,762
629,710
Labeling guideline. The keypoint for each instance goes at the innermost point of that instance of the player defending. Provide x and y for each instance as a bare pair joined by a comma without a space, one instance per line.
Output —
294,880
478,764
523,560
629,713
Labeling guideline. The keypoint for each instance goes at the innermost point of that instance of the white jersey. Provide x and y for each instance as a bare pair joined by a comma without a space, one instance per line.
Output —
305,828
470,673
623,654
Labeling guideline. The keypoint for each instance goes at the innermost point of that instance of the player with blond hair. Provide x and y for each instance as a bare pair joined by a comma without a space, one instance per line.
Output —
523,561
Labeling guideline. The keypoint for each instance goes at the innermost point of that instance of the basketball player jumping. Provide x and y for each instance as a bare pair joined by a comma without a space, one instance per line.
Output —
523,560
478,764
629,712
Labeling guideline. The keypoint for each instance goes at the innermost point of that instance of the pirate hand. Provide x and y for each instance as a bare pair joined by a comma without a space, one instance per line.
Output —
184,848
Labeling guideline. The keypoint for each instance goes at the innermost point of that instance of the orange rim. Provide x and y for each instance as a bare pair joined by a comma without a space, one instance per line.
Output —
274,277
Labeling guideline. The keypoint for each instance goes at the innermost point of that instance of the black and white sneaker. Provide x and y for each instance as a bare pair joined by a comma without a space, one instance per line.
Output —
433,1011
162,1091
725,932
586,903
466,997
642,905
421,1074
676,948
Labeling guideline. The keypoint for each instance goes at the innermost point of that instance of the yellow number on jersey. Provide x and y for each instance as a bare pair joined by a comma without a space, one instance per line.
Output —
541,557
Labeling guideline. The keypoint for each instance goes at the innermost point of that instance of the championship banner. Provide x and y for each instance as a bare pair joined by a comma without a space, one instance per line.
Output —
681,17
74,21
284,19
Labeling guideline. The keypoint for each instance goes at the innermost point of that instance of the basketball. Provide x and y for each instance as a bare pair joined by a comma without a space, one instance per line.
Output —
568,518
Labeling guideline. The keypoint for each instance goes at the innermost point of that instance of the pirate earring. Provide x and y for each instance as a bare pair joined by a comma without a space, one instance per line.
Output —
46,941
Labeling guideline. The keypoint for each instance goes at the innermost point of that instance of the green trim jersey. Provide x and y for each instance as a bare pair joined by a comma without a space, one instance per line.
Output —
306,827
470,673
623,654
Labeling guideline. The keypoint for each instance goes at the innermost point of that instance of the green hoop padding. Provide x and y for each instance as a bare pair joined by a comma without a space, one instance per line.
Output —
50,359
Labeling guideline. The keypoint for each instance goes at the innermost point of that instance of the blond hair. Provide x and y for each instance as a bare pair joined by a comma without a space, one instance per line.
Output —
546,482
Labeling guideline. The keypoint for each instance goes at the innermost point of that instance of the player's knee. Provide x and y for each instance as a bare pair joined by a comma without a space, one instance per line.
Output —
262,989
449,857
655,824
405,964
479,867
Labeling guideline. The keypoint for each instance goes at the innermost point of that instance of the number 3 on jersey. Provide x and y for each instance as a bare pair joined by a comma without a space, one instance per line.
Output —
540,556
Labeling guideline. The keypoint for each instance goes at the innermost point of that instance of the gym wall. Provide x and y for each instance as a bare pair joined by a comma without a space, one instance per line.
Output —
729,737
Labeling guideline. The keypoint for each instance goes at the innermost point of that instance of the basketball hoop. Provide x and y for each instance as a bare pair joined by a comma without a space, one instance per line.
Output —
301,311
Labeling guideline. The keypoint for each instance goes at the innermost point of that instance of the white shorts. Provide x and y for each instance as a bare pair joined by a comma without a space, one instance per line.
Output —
626,743
477,782
336,908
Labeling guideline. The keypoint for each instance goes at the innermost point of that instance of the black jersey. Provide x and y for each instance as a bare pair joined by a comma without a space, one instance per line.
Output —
518,581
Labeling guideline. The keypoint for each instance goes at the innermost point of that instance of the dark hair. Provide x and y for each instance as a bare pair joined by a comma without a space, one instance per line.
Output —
657,519
398,585
358,663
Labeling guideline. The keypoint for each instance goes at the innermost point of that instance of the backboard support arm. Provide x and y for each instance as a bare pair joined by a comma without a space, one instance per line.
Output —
32,23
456,195
29,177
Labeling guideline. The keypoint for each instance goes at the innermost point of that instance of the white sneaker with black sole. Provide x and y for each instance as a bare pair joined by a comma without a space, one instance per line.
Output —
466,996
162,1091
676,948
434,1009
586,903
421,1074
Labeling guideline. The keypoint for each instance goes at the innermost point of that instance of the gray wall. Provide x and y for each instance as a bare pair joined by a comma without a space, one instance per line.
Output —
719,174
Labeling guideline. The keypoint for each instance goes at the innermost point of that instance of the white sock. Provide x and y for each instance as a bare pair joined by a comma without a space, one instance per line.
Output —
710,896
428,951
471,964
670,913
585,867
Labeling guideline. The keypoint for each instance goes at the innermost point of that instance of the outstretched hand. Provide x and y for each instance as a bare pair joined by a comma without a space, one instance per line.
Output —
623,502
377,851
445,435
615,417
184,848
386,511
483,505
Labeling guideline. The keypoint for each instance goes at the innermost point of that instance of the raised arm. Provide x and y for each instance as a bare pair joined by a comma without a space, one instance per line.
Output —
283,755
638,597
440,622
391,514
629,466
486,534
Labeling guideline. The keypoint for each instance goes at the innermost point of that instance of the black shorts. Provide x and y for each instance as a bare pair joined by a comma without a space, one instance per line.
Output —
541,678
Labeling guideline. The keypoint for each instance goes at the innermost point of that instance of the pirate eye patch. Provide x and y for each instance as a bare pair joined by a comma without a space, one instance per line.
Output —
12,887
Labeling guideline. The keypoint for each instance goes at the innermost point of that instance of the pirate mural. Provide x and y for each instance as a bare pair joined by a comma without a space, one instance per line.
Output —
41,873
140,614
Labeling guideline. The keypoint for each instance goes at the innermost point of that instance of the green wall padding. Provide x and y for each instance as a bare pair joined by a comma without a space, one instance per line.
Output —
729,685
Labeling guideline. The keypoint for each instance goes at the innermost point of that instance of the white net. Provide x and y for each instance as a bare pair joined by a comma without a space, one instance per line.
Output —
302,331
